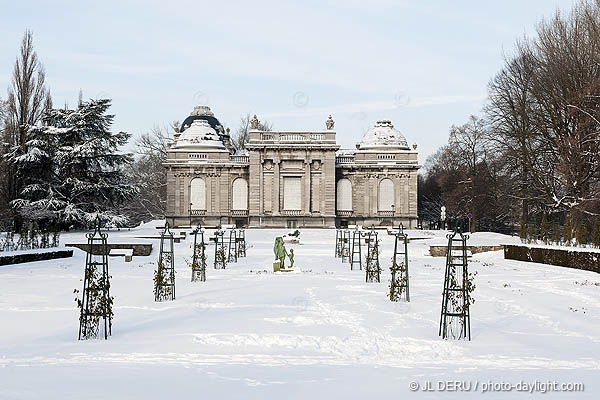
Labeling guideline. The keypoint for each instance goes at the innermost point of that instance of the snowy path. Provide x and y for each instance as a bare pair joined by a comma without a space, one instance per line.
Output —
249,333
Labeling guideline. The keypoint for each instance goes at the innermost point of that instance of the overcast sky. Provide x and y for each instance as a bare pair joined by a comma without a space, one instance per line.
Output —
422,64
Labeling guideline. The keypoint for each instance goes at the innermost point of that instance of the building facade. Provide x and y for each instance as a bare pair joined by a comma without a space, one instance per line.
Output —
289,179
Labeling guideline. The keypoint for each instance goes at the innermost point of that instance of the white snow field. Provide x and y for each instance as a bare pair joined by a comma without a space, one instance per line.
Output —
249,333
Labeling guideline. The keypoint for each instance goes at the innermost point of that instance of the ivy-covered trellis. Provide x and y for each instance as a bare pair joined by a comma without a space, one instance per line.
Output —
356,252
399,283
29,237
338,243
373,269
220,261
23,243
455,318
199,256
346,246
164,276
232,246
8,243
241,240
96,303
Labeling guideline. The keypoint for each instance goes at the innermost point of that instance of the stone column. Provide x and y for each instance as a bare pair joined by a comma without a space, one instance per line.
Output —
217,180
307,184
176,191
261,187
277,184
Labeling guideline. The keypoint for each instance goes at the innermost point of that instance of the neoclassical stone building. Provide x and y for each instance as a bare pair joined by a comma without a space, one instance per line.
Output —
289,179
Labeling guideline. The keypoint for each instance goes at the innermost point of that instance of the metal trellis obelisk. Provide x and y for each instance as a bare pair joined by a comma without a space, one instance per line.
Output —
455,318
199,256
373,270
338,243
164,276
399,284
356,254
346,246
220,256
232,246
241,239
96,303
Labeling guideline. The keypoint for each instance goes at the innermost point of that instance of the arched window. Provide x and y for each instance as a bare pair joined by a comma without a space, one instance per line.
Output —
240,194
197,194
344,195
386,195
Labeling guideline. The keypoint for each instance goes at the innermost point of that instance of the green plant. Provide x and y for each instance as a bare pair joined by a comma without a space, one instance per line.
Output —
459,301
163,280
99,305
198,263
220,257
399,281
373,269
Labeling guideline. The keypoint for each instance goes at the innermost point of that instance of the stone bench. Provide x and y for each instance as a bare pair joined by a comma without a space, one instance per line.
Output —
127,253
442,250
139,249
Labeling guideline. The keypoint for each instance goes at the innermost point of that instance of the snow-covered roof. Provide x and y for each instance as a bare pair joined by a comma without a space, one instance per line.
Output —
201,112
200,134
383,135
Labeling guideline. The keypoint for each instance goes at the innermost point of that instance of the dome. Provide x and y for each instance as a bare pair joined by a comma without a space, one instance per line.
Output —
202,113
383,136
200,134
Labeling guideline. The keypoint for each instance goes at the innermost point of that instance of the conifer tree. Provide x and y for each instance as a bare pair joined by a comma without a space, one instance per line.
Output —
75,168
568,232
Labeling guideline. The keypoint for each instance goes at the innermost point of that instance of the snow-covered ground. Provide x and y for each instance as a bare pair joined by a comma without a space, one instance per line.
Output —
247,333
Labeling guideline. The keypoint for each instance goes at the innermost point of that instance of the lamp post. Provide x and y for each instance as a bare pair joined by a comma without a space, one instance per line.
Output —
190,214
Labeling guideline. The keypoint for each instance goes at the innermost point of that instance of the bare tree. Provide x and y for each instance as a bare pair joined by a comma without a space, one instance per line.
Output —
512,133
150,175
27,93
242,135
26,100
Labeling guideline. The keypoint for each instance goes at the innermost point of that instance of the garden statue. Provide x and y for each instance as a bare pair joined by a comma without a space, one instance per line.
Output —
291,257
280,252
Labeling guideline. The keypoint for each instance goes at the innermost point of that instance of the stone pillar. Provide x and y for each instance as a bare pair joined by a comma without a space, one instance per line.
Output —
217,179
261,189
307,184
176,191
276,184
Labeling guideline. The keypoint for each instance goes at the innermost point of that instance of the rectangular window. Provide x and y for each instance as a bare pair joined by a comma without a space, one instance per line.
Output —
292,193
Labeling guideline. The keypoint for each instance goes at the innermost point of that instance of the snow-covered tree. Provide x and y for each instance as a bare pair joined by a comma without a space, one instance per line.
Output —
74,167
24,106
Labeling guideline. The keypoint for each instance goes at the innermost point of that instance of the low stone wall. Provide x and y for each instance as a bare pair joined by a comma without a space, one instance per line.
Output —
31,257
441,251
579,259
139,249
